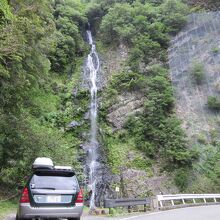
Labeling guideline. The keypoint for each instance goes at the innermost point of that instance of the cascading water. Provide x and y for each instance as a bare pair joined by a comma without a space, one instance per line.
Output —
92,66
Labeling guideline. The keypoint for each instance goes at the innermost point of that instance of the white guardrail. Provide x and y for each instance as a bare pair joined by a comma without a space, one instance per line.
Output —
187,199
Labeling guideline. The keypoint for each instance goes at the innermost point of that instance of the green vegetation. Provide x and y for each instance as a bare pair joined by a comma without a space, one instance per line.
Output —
42,50
206,171
198,72
5,12
145,27
135,19
214,103
41,53
215,50
181,179
122,151
7,208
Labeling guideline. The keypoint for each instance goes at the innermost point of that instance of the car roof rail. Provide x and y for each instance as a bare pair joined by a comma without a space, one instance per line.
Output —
63,168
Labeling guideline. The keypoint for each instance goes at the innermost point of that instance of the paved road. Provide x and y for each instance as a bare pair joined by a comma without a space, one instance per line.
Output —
192,213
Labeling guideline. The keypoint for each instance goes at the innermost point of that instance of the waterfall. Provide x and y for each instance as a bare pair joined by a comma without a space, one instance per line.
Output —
92,66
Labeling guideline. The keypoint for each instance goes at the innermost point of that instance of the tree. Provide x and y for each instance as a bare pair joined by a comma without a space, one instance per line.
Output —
173,14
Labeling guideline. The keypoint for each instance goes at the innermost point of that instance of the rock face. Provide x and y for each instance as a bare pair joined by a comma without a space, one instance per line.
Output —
127,104
198,42
114,61
137,182
133,182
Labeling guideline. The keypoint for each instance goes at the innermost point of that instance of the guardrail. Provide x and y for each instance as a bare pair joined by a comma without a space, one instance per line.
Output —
186,199
113,203
164,201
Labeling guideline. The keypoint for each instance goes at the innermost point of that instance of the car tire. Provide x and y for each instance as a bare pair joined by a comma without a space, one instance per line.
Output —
73,218
17,218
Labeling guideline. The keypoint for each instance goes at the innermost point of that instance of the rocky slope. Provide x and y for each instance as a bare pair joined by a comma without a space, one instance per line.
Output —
133,181
197,43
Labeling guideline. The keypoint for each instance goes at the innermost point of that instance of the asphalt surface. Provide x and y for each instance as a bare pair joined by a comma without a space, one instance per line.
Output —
192,213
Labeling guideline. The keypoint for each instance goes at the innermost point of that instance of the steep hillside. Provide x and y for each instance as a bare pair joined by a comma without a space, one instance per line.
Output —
143,141
127,130
157,132
194,62
41,52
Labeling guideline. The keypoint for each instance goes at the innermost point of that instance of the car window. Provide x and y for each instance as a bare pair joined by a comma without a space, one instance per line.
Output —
53,182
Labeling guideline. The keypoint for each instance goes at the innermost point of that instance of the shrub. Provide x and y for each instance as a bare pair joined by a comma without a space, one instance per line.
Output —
128,81
181,179
174,13
198,72
214,103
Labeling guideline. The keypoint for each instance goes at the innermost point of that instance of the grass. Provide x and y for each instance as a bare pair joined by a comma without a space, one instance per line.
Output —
122,152
7,208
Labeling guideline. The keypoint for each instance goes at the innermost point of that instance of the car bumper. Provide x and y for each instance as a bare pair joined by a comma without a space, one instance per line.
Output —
27,211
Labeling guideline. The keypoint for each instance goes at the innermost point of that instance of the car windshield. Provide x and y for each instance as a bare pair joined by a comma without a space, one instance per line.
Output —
53,182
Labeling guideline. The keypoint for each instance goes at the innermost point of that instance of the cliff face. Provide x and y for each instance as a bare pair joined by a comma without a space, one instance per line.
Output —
135,174
194,59
140,135
126,105
195,49
197,44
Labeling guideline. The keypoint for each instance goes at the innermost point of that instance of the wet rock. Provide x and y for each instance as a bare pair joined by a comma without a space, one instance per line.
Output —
87,115
74,124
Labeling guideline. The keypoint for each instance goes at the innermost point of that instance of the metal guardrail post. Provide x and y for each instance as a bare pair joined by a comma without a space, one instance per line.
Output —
155,204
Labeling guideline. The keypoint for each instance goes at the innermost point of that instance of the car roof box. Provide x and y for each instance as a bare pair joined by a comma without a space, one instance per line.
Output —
43,163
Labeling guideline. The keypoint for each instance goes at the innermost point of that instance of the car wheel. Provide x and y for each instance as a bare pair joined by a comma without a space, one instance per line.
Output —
73,218
17,218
